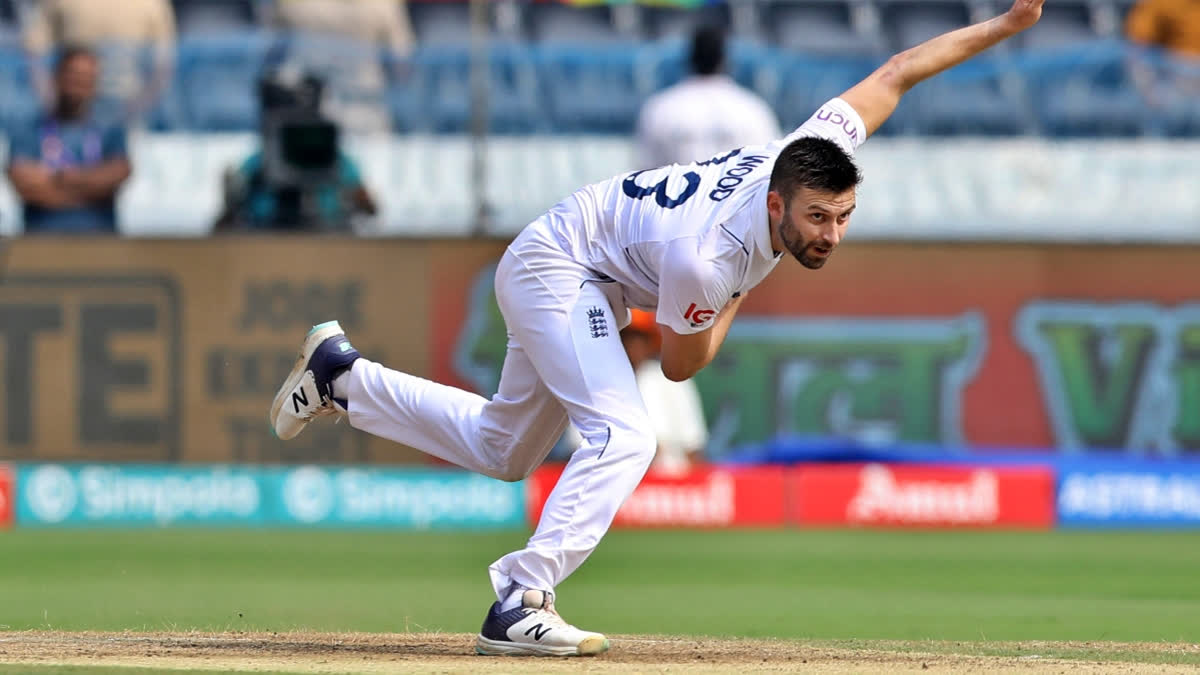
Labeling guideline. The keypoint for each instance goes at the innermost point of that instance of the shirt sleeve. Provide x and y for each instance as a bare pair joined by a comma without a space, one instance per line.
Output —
837,121
691,288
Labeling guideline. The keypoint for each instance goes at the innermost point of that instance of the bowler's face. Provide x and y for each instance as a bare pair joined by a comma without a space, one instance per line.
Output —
813,224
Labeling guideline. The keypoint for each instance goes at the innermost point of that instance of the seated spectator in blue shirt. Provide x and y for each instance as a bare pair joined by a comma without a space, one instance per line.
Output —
67,167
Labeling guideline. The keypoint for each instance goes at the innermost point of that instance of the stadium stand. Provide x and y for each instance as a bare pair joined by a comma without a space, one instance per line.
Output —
211,16
556,68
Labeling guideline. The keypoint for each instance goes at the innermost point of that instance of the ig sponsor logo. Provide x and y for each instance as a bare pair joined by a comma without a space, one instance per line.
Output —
51,493
308,494
698,317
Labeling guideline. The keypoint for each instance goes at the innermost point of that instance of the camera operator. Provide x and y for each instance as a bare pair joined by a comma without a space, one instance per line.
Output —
300,180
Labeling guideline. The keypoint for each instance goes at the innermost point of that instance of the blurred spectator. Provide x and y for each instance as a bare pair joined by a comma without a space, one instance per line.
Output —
120,32
300,179
705,115
355,44
67,167
673,406
1173,25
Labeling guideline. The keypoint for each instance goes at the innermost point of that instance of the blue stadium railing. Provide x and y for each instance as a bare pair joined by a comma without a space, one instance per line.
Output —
1080,90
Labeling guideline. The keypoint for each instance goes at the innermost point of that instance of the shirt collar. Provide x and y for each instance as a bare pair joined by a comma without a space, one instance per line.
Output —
760,226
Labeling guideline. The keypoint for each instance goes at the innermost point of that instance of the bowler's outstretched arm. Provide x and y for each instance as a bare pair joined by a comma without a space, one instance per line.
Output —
876,97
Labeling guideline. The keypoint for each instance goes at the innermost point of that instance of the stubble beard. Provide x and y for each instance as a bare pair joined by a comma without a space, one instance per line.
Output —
797,247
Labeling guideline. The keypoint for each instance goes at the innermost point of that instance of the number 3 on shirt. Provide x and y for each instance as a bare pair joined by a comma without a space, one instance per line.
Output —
659,189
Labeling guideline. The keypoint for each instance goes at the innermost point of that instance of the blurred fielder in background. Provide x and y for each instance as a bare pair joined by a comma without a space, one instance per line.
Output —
706,114
687,241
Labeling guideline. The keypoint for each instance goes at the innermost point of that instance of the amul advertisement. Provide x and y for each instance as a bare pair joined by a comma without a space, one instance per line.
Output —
1008,346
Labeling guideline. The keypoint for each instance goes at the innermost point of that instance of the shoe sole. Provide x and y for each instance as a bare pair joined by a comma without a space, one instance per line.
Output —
590,646
318,334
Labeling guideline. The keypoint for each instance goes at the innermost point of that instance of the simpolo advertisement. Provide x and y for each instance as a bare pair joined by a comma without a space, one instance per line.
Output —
126,495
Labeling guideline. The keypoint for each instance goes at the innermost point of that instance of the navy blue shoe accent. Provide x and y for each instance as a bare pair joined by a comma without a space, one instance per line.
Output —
497,623
328,361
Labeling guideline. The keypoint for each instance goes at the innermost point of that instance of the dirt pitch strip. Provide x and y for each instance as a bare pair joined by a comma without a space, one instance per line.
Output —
301,652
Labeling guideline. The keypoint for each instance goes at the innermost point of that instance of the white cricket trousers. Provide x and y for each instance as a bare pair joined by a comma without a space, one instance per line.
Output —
565,360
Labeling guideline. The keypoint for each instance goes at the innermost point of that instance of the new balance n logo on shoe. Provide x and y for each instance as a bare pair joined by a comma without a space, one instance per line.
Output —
597,323
299,396
537,631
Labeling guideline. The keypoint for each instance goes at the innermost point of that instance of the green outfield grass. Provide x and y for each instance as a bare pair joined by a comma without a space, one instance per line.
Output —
790,584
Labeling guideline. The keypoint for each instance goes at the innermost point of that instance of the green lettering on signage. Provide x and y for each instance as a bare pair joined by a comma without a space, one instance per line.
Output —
847,377
901,378
1100,396
1103,370
1187,377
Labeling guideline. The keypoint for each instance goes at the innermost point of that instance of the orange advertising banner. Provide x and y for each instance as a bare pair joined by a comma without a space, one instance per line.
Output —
1030,346
170,350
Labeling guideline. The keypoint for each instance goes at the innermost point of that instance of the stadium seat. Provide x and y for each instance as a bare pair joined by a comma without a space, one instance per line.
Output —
1063,23
982,97
406,98
558,24
1084,90
445,87
806,81
911,22
211,16
818,27
441,23
1182,118
665,23
971,104
218,79
450,23
597,90
1078,110
168,112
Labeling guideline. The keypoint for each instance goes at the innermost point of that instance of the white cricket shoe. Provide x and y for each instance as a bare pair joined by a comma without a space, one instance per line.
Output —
535,629
307,392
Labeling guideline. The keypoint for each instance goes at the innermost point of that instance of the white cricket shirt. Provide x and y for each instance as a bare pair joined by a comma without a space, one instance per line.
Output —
699,118
682,240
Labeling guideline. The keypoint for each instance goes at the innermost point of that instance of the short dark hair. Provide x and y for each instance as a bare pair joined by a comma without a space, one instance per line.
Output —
708,50
814,163
71,52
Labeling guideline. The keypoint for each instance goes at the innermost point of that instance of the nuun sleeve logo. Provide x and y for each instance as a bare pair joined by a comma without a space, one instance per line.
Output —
838,119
